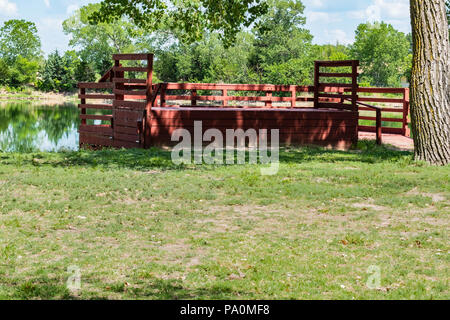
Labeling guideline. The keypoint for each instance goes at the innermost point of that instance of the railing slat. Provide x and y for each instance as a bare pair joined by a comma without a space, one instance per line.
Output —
382,119
125,80
96,106
130,69
130,93
96,117
96,96
96,85
335,75
132,56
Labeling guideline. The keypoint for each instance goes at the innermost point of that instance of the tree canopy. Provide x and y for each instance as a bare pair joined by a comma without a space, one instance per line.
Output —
192,18
384,53
20,53
282,50
275,48
19,38
96,43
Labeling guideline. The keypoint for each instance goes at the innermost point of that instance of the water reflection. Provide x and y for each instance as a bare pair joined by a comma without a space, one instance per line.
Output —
26,127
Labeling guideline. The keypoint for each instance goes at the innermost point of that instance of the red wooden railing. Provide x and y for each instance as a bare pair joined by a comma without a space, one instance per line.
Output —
269,96
389,105
266,98
335,90
131,100
126,118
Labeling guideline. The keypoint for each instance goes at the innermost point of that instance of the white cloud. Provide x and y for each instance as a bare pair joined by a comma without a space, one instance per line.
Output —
313,3
322,17
47,3
383,10
314,16
7,7
72,8
398,9
50,24
339,36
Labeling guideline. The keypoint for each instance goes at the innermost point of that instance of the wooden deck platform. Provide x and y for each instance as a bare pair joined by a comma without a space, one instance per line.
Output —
136,113
299,126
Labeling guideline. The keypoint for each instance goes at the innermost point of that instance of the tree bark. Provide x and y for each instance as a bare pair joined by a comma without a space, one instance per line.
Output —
430,82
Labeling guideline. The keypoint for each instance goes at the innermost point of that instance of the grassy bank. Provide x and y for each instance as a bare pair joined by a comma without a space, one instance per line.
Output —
140,227
30,94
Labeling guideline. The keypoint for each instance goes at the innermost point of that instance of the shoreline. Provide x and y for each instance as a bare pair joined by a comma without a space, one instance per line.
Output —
38,96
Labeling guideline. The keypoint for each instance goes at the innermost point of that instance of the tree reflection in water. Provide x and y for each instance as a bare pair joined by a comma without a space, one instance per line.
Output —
27,127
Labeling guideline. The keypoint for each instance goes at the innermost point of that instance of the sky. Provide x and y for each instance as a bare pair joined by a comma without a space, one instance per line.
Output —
330,21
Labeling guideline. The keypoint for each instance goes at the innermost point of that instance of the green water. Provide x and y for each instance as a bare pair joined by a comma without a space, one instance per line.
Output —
27,127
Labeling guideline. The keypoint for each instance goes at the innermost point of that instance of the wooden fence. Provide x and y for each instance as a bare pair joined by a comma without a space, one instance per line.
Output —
123,117
181,95
393,102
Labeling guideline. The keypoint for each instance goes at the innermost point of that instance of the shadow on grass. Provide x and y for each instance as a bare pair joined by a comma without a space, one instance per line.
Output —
174,290
41,289
144,160
156,289
365,152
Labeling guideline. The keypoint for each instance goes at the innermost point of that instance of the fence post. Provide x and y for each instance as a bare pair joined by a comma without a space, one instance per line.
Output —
379,133
293,97
316,84
406,130
83,101
148,107
355,64
269,103
117,86
162,99
193,97
225,95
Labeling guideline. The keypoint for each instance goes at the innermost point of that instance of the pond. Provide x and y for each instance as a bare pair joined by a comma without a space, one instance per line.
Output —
27,127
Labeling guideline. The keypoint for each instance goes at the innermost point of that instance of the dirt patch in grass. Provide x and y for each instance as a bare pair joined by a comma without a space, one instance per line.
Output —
180,252
435,197
368,205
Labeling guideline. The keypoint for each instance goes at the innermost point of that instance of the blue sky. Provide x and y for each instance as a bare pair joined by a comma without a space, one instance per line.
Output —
329,20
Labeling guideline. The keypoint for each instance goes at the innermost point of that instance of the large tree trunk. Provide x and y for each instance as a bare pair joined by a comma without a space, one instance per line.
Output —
430,81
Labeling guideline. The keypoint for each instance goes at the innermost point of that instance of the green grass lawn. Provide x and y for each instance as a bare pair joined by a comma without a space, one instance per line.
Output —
139,227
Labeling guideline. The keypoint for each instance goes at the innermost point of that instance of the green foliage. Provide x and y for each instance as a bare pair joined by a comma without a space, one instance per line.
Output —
282,49
84,72
4,72
19,38
190,18
98,42
23,72
19,52
276,49
331,52
61,73
383,53
206,61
